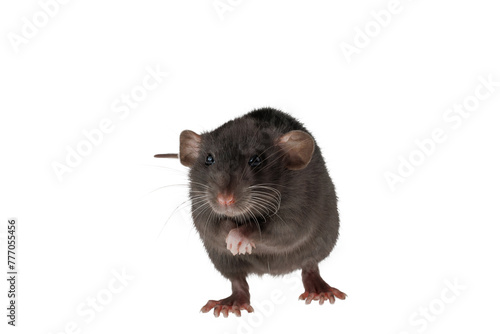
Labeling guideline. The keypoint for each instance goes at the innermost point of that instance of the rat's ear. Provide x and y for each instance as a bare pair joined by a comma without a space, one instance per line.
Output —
189,147
299,148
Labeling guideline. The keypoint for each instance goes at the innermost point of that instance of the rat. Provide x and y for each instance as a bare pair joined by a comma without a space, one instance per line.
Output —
262,202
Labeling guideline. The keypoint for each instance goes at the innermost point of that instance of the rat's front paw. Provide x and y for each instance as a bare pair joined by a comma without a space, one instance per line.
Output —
237,243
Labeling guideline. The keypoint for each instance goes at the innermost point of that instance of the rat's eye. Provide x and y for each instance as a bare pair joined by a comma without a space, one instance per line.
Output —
255,161
209,160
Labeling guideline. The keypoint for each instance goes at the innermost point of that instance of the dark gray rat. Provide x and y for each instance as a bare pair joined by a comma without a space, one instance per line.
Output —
262,202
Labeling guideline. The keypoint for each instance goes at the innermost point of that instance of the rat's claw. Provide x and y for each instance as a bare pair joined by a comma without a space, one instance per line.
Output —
322,299
245,249
232,248
339,294
217,310
322,296
225,307
225,311
208,306
237,312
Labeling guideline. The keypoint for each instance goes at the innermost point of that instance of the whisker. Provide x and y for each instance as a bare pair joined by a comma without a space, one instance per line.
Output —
259,194
263,215
206,224
167,186
277,215
257,223
199,184
263,204
175,211
265,186
165,167
206,205
264,196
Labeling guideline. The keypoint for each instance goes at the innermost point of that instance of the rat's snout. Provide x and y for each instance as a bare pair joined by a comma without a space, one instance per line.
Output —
225,199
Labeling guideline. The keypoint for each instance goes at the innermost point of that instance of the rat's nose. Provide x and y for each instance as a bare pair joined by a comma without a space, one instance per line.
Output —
225,199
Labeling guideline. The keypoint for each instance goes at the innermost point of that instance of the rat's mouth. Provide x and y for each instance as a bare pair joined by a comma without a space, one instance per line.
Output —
226,204
231,210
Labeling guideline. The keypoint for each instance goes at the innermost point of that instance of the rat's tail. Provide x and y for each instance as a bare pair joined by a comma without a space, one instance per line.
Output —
167,155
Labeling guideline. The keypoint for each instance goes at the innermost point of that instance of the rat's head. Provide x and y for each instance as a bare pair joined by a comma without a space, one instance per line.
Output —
237,169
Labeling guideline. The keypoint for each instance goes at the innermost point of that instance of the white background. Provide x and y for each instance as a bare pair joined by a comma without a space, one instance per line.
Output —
397,249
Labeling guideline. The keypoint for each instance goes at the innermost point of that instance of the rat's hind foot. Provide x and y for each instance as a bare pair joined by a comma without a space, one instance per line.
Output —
232,304
238,301
317,289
